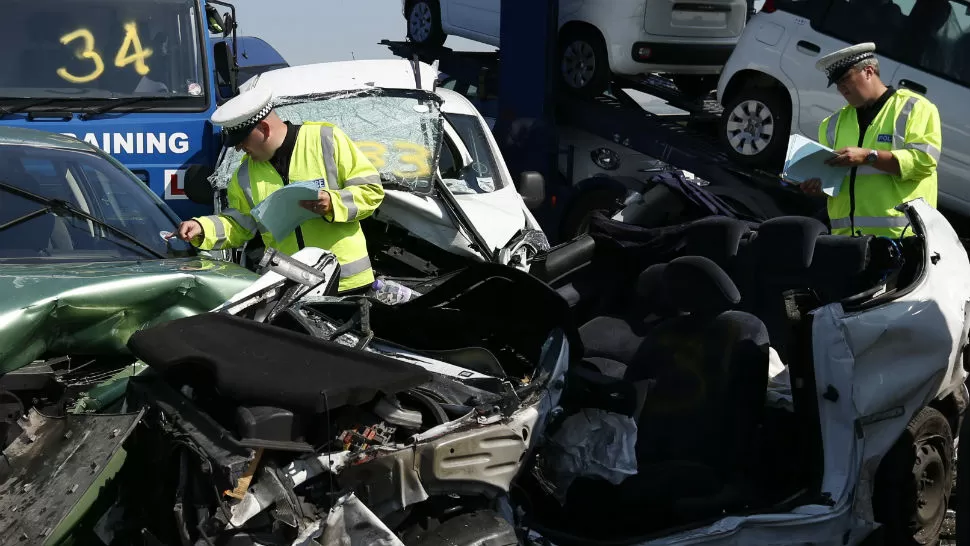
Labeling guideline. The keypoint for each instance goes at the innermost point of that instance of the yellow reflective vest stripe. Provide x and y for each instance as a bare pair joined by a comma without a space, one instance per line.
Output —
322,151
908,126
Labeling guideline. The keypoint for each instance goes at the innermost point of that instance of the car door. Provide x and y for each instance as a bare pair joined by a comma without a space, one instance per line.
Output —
480,17
823,27
937,65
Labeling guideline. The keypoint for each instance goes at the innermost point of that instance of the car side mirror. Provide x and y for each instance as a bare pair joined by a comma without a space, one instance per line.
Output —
216,23
532,188
196,185
229,22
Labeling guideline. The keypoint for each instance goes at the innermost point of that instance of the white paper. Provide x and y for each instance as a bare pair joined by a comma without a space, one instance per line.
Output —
806,160
280,213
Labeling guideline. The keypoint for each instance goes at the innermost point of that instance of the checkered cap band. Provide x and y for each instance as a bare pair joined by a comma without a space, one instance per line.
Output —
252,120
839,67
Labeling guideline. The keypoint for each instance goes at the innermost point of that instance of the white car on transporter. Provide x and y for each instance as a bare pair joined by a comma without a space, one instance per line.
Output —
770,88
449,197
689,39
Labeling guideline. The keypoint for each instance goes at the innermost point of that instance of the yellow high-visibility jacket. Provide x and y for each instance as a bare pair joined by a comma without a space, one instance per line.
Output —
322,151
908,125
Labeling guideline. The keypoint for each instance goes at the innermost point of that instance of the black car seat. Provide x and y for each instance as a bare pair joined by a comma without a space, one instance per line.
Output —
783,251
611,341
614,339
841,267
698,427
716,238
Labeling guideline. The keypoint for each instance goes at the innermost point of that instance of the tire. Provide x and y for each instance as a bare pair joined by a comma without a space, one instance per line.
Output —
584,67
478,528
914,480
424,23
760,110
694,87
575,221
962,497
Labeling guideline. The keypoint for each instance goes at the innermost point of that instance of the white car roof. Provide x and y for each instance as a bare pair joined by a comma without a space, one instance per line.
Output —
343,76
455,103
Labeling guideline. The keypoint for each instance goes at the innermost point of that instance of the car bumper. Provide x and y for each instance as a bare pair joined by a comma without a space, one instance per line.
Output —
660,53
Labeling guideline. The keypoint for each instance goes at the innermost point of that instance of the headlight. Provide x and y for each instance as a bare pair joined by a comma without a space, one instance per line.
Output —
605,159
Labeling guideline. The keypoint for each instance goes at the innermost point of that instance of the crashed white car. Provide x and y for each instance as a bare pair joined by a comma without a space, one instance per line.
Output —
449,198
759,384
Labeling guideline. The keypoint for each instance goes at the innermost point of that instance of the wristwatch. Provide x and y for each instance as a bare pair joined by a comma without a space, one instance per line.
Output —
872,156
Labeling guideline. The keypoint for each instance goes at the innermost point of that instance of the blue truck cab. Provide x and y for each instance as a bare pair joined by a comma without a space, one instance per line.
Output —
255,57
137,78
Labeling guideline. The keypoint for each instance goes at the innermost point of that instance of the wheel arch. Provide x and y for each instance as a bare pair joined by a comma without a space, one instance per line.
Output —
755,78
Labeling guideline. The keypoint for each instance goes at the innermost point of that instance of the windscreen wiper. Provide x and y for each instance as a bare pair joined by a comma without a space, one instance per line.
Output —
60,208
28,103
112,104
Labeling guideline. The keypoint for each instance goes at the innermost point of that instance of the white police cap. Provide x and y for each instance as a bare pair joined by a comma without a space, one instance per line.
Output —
240,114
837,63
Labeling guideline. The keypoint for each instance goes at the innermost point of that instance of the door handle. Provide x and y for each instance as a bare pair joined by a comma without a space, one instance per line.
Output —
809,47
910,84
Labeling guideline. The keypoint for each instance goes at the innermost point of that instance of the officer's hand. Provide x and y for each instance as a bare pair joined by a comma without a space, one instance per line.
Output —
811,187
189,229
321,205
848,157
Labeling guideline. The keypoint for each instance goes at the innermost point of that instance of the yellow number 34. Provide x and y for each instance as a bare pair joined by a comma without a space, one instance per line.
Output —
122,58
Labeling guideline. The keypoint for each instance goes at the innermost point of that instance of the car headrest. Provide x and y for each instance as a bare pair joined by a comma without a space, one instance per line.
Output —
840,255
697,285
787,243
715,237
651,291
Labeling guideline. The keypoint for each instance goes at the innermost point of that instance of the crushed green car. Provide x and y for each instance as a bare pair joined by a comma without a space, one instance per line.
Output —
84,263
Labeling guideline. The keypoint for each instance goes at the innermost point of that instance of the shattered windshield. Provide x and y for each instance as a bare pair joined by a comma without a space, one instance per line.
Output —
91,184
400,133
97,49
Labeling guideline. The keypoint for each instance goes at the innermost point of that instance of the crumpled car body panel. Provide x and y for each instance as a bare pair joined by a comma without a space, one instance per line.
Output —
94,307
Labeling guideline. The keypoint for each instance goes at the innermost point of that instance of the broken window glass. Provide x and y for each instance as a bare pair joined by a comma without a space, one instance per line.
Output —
399,132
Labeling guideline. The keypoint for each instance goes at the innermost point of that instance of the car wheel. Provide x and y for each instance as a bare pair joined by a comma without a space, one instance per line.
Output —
424,23
962,499
576,220
754,127
914,480
694,87
584,67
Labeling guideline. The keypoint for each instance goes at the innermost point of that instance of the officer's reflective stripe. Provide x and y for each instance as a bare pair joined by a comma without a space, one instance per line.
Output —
347,199
930,149
220,231
329,163
361,180
871,222
243,177
352,268
863,170
830,129
246,221
899,136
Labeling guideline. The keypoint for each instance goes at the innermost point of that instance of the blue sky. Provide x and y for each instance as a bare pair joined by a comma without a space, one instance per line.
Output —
307,31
